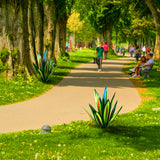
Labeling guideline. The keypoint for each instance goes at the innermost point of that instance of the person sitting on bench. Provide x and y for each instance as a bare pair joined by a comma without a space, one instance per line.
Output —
136,70
147,67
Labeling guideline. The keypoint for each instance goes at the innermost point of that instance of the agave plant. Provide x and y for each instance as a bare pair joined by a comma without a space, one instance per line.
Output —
104,114
45,67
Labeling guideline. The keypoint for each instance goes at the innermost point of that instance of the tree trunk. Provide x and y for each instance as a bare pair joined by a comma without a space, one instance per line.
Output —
107,36
156,50
156,16
6,17
8,42
32,30
74,41
40,31
25,42
51,27
57,41
116,36
63,30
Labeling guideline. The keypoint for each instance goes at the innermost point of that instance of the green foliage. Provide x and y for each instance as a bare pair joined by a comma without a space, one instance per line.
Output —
65,57
45,67
15,54
86,33
111,51
47,44
20,74
74,23
4,67
4,54
104,115
101,14
135,22
10,36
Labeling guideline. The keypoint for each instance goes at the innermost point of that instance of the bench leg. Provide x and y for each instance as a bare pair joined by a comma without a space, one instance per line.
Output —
146,75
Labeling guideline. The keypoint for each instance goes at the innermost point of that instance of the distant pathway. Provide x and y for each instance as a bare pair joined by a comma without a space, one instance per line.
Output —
64,103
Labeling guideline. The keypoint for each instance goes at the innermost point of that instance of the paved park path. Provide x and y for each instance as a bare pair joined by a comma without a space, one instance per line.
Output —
64,103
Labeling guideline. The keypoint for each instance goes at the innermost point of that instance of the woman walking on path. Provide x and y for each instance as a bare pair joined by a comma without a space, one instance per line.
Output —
106,49
99,55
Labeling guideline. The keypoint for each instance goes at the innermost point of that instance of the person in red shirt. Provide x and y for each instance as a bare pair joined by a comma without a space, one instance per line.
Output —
106,49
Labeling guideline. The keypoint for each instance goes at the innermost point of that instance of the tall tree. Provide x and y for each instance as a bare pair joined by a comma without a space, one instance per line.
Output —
154,6
25,43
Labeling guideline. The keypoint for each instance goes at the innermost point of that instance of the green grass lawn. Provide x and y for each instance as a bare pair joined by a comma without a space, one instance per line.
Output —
134,135
12,91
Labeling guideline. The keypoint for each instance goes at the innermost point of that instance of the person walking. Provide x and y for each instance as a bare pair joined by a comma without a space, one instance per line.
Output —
99,56
138,55
106,49
131,50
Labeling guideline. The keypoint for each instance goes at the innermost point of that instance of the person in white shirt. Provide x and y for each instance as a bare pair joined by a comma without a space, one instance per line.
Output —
144,50
149,63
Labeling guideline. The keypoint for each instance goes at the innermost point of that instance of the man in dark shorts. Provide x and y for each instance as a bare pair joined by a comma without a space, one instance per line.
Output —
100,55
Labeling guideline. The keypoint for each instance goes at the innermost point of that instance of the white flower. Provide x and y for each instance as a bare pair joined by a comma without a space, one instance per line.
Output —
36,155
84,157
59,145
132,154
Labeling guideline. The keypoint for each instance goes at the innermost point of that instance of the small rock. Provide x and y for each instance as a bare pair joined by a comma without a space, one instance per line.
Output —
46,129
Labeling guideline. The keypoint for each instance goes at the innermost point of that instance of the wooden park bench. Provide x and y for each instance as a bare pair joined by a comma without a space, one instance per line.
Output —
147,72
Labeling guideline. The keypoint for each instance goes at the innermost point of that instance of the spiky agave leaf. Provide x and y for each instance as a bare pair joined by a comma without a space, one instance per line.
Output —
113,110
51,72
92,109
104,98
41,75
46,70
99,119
115,115
98,102
45,55
112,99
40,62
89,115
106,113
35,66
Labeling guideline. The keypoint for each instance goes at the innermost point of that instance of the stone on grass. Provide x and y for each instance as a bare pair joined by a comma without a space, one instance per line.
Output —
46,129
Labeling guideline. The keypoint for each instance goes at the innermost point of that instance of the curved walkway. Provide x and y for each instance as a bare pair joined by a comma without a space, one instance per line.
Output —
64,103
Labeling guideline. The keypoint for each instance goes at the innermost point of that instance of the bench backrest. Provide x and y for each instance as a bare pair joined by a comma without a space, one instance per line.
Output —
151,67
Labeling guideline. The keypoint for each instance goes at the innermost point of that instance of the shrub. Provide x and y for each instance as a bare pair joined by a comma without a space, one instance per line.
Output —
15,54
45,67
4,54
104,116
20,73
4,67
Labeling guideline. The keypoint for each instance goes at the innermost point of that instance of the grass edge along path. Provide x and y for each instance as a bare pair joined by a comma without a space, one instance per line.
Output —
13,91
134,135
